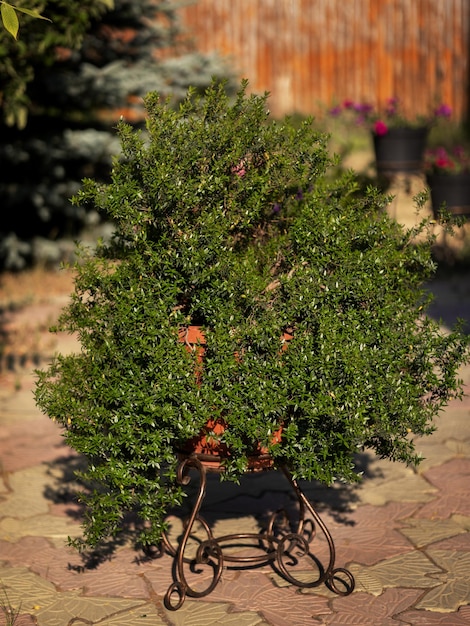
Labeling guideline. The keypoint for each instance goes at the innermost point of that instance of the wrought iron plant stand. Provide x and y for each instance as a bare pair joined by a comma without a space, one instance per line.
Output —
282,547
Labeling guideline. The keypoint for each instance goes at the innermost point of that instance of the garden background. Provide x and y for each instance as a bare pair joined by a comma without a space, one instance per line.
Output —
60,100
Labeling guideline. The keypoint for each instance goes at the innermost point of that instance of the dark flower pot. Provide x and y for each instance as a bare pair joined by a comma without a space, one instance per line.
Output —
451,190
400,150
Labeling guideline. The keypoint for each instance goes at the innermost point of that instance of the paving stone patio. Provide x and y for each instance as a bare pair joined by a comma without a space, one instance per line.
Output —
403,533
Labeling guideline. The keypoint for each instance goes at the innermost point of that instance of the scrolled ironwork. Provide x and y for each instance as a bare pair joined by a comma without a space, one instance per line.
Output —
208,553
283,544
348,584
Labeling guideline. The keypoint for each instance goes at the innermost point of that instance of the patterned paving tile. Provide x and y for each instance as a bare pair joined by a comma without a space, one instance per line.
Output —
31,451
455,473
410,570
454,422
408,488
453,480
372,533
459,543
71,510
29,440
25,498
53,608
142,615
25,509
362,609
423,532
37,554
253,591
304,576
459,447
21,620
213,614
25,589
454,590
436,453
56,529
120,576
247,592
70,608
426,618
158,577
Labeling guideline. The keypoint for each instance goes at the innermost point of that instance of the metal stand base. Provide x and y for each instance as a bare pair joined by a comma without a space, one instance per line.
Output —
281,547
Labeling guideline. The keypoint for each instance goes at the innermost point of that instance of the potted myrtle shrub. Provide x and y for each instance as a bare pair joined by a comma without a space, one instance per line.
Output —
313,338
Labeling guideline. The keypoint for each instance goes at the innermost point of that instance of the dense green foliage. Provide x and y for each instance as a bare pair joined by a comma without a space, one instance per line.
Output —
225,219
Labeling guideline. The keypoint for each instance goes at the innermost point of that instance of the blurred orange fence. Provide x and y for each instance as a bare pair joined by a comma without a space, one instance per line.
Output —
312,53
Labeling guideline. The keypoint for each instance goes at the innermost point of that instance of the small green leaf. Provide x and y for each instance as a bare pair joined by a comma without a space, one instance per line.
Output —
32,13
10,19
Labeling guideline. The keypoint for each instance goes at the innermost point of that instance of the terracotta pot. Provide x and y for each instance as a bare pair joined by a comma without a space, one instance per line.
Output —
206,445
453,190
400,150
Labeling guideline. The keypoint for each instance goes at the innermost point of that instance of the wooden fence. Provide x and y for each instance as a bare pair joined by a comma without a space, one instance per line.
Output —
312,53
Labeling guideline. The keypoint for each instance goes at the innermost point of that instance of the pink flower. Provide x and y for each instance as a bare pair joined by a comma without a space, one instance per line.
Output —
443,110
389,116
380,128
335,111
239,169
452,161
364,108
443,162
391,107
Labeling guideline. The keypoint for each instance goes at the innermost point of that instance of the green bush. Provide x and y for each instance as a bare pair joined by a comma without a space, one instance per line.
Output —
227,220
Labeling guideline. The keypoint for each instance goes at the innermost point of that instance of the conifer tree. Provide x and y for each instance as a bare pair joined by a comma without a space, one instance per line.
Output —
63,86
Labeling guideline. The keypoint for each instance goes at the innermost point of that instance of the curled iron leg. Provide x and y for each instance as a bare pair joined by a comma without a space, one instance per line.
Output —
209,552
339,580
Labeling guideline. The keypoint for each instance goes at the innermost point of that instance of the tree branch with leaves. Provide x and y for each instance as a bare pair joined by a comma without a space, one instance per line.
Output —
10,19
20,57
